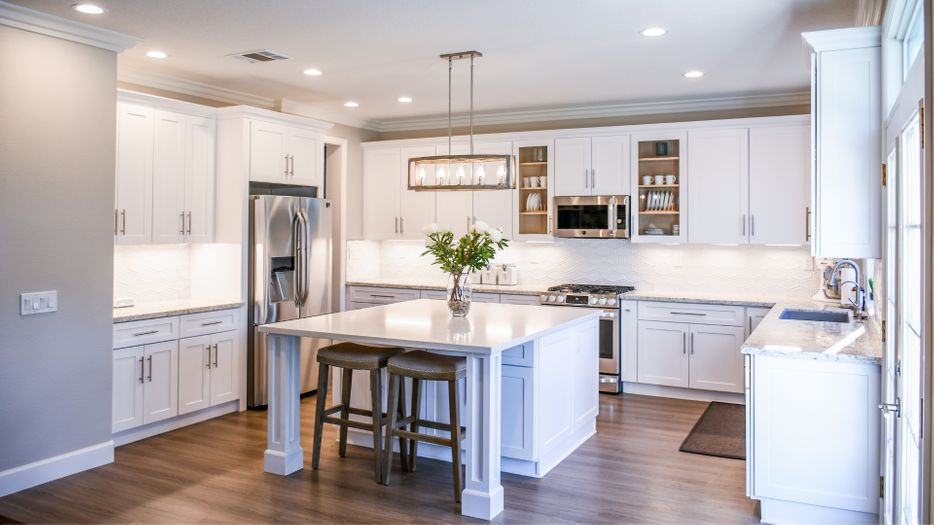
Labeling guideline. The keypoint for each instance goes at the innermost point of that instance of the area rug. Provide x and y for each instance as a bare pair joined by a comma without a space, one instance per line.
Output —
720,431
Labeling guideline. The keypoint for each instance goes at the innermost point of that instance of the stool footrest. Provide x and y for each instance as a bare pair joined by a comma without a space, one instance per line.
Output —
445,442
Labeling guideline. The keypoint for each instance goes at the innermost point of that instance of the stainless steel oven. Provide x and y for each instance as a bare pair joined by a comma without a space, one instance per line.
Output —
609,351
599,217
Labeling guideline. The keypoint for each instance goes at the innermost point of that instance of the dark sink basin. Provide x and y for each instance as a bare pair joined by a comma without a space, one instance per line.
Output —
824,316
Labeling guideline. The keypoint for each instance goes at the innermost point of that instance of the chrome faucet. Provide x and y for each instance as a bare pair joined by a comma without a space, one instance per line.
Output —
859,305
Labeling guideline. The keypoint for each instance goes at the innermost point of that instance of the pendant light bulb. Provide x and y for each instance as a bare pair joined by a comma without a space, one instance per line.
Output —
481,174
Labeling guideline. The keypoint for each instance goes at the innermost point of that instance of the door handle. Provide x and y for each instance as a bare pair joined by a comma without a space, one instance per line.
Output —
611,214
287,165
215,356
182,217
149,377
698,314
301,253
208,348
141,366
123,222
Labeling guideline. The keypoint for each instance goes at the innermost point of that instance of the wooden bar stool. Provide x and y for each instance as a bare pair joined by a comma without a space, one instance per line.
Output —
350,357
420,365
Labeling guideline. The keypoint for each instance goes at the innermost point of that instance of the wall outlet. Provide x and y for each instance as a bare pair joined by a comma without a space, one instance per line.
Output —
38,302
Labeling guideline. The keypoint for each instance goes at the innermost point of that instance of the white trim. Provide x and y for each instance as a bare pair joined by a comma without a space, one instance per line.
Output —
191,87
161,427
168,104
342,270
17,16
848,38
49,469
795,98
249,112
298,108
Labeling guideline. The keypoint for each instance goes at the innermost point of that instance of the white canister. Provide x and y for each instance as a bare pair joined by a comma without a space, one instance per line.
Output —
488,276
507,274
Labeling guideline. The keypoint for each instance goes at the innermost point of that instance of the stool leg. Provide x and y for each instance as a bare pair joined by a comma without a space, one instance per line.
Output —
454,400
320,404
403,443
416,406
376,394
391,406
346,382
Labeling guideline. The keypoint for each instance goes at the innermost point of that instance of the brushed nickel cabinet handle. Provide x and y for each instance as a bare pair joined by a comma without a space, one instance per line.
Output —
402,225
208,348
215,356
149,377
182,217
211,323
807,223
116,218
123,218
698,314
141,367
383,296
692,343
752,225
149,332
189,223
286,165
742,223
292,165
684,343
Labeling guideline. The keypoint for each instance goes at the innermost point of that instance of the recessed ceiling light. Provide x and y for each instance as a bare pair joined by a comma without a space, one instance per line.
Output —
312,72
350,104
156,54
404,100
653,31
89,9
694,74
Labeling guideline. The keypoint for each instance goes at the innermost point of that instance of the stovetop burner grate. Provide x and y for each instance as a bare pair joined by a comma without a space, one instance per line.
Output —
595,289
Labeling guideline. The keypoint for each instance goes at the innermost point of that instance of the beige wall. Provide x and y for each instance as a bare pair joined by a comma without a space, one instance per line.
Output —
56,222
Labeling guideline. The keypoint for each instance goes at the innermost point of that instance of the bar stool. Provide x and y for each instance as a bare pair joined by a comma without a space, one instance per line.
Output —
420,365
350,357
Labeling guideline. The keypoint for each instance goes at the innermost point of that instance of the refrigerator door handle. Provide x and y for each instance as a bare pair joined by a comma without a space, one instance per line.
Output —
300,231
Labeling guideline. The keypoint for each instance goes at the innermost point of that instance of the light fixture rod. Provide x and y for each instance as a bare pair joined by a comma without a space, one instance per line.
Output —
450,65
470,117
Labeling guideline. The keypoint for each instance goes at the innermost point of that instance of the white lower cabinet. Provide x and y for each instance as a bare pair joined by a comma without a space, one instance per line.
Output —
207,371
754,316
716,362
145,384
663,358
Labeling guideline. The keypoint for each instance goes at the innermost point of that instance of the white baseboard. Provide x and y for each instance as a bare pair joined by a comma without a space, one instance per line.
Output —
683,393
161,427
49,469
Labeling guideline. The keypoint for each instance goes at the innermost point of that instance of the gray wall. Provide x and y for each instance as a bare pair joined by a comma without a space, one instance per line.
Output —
57,139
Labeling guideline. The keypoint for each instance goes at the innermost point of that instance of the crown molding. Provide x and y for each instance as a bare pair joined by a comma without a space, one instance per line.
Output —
20,17
191,87
848,38
794,98
245,112
307,110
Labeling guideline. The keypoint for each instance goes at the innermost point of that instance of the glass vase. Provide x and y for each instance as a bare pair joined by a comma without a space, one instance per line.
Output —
459,291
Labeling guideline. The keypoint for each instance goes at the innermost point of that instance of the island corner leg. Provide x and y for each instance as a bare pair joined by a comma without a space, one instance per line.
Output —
284,454
483,494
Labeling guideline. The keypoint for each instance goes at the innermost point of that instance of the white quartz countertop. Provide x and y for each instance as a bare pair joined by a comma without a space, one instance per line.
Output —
156,309
426,323
519,289
857,341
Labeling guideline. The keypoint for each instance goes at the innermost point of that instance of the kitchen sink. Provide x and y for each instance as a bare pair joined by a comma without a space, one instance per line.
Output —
824,316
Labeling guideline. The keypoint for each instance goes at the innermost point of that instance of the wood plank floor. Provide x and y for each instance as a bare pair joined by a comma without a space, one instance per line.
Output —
631,471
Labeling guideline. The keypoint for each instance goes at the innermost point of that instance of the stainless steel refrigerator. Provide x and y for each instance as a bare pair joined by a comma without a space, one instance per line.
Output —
290,274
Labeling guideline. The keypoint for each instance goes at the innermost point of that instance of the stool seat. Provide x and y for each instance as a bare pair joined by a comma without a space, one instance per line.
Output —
420,364
357,356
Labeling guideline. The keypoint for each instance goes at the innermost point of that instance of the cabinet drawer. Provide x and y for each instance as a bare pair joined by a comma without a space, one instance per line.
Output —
518,299
440,295
692,313
485,298
522,355
367,294
209,323
145,332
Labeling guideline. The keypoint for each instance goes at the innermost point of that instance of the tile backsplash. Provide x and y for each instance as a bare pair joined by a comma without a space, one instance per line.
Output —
743,270
157,272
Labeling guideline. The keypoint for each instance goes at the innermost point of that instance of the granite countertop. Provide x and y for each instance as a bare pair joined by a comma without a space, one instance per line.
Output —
855,341
705,298
519,289
156,309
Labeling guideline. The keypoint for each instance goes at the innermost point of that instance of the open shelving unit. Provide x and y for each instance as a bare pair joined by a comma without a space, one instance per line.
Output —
533,179
658,206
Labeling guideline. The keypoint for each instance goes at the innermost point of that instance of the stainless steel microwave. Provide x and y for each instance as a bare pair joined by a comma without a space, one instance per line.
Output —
597,217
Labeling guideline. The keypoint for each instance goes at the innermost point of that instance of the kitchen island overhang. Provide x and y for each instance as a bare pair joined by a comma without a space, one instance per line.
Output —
544,360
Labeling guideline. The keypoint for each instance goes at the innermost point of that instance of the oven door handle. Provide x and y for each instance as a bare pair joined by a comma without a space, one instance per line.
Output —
607,315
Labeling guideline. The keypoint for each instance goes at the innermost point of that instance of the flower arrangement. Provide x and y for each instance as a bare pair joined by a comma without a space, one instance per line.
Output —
472,252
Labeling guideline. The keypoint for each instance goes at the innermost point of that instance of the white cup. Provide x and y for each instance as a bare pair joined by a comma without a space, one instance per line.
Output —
646,180
669,179
542,180
659,180
534,181
527,182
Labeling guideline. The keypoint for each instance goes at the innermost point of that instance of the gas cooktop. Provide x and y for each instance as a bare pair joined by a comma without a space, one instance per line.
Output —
595,295
598,289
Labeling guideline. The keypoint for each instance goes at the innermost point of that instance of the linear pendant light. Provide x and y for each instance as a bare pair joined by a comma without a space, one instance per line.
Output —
461,172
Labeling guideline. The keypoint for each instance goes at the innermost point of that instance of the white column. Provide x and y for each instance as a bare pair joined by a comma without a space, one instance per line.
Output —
483,494
284,454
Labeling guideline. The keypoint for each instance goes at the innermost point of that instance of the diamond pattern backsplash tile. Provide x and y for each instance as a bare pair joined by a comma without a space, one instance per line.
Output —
152,272
742,270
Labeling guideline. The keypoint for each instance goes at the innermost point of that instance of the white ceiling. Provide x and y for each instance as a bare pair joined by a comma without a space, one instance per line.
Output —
537,53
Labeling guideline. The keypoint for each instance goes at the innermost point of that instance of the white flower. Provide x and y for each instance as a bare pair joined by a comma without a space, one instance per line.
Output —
496,234
481,227
445,229
431,228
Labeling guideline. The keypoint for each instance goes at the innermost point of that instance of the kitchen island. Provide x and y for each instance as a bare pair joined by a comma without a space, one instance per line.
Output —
558,346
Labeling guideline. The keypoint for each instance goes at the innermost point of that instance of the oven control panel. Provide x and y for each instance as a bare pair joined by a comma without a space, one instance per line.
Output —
598,301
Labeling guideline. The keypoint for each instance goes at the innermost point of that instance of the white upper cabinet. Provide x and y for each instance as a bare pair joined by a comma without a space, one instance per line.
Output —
717,202
133,210
592,166
381,193
286,154
199,179
845,105
779,191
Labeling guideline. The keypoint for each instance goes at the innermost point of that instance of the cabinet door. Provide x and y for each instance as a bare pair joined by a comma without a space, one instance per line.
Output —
306,164
134,174
754,316
199,182
716,360
194,374
718,198
417,208
381,193
629,339
168,177
224,380
518,411
663,358
268,152
610,165
127,411
847,191
779,190
572,166
160,389
494,207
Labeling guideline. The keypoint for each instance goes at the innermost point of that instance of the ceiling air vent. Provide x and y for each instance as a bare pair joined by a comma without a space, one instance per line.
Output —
260,55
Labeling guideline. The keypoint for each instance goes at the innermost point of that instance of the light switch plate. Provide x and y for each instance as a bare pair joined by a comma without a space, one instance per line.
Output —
38,302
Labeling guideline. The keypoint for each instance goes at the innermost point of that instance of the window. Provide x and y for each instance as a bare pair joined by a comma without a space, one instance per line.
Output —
914,40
